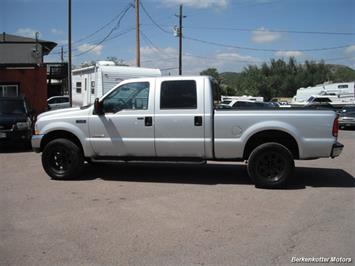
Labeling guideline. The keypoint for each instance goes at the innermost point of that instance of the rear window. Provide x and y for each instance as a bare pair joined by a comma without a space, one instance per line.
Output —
12,107
178,94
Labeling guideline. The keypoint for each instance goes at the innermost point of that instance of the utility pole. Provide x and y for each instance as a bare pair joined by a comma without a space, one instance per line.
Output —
61,54
69,54
138,49
179,31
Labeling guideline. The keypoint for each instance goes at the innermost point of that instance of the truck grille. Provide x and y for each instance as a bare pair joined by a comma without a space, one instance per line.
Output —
6,126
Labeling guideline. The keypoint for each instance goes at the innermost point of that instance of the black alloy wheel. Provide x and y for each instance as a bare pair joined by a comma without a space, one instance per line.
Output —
270,165
62,159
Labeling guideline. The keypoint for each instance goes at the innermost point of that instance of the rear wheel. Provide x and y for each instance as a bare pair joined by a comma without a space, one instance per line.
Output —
62,159
270,165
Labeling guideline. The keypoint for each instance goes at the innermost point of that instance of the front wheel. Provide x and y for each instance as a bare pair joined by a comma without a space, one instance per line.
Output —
62,159
270,165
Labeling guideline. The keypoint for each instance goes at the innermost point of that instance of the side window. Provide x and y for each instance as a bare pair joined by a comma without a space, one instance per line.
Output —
241,105
92,87
178,94
132,96
78,87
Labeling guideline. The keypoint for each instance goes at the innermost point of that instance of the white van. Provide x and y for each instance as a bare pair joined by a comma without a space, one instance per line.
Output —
92,82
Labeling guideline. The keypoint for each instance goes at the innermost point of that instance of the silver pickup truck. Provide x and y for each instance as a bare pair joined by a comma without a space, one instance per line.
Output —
174,119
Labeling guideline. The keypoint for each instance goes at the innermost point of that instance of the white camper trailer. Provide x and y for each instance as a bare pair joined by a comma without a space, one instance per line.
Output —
91,82
344,90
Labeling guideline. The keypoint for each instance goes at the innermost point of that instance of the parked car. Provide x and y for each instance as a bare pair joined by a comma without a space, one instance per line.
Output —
349,108
15,120
58,102
347,119
174,119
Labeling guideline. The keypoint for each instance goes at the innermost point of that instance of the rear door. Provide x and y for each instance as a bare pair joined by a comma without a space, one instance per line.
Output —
179,118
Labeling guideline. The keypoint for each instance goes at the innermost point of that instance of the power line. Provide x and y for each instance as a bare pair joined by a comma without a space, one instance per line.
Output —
152,20
263,49
272,30
152,45
109,34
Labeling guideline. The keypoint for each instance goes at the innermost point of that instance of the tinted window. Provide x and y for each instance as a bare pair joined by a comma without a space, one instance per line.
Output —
178,94
12,107
128,96
78,87
64,100
322,100
343,86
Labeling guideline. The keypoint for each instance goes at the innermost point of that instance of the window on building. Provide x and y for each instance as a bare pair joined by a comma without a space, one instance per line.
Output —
178,94
78,87
92,87
8,90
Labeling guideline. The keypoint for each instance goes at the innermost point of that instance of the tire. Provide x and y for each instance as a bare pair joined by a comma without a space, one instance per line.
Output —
62,159
270,165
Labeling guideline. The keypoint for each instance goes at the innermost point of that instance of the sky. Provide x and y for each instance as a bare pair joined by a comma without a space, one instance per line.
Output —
225,34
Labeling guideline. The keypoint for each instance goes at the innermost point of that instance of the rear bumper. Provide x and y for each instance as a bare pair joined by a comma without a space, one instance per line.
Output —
36,142
336,149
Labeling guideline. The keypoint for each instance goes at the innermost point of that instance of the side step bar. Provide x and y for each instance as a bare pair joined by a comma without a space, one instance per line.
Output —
148,160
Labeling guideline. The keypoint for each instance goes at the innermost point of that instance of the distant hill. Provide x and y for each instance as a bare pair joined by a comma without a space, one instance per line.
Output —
340,73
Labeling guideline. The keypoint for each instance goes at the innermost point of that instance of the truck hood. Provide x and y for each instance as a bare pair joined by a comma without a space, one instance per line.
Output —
64,112
7,120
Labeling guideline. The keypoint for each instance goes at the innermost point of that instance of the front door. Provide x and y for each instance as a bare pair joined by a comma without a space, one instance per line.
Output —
179,119
126,128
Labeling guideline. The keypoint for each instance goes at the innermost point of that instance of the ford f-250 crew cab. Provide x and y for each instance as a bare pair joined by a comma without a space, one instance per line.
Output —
174,119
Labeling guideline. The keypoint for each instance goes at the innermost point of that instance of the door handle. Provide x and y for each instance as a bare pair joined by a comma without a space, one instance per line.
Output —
148,121
198,121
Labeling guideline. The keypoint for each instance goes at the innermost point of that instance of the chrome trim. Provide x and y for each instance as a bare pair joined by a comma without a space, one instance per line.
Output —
36,142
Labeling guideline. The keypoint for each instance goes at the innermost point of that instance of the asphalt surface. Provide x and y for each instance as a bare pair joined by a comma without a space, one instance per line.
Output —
175,215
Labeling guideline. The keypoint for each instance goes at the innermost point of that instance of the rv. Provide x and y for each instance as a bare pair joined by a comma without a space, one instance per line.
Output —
344,90
242,98
91,82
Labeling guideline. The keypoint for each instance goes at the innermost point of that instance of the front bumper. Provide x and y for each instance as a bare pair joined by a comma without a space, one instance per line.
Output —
15,134
36,142
336,149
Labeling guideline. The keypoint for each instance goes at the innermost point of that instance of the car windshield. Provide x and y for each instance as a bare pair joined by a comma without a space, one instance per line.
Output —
12,107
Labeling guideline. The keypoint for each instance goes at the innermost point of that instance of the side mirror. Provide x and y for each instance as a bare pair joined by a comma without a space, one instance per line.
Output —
98,108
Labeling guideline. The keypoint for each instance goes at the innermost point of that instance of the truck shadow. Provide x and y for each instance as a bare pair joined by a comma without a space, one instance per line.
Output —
212,174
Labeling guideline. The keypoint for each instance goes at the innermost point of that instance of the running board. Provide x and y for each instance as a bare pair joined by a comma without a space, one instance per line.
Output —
148,160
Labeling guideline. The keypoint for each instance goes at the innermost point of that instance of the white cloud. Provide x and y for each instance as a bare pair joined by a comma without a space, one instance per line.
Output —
262,35
91,48
27,32
166,58
289,53
57,31
62,42
197,3
350,49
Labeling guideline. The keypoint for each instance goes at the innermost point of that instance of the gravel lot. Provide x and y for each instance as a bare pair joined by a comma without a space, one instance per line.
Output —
175,215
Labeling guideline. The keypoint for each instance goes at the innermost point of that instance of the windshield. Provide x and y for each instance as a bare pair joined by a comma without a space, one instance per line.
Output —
12,107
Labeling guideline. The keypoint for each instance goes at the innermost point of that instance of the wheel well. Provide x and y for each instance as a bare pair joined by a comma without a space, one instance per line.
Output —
62,135
277,136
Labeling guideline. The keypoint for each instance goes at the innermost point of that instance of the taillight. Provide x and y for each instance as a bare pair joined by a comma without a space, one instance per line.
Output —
336,126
